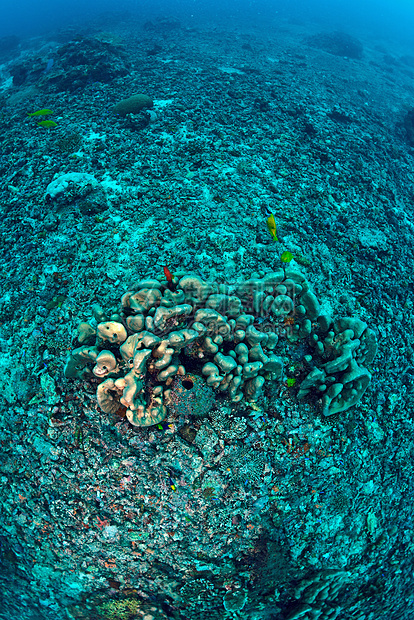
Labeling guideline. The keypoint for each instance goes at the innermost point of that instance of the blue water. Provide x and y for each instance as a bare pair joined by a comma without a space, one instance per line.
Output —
385,18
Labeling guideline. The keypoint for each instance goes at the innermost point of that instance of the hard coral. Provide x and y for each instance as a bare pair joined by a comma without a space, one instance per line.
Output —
228,335
133,105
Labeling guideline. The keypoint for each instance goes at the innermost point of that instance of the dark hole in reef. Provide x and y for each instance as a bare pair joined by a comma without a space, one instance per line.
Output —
187,384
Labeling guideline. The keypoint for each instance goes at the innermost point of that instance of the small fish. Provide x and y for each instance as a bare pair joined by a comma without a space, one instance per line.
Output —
271,226
47,124
172,485
163,426
286,257
49,65
44,112
169,277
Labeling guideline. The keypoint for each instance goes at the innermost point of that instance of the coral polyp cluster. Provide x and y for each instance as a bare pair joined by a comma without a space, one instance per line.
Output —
231,336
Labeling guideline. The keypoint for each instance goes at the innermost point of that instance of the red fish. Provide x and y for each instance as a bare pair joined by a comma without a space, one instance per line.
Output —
169,277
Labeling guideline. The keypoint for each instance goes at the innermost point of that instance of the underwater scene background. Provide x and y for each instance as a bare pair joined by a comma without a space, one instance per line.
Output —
206,311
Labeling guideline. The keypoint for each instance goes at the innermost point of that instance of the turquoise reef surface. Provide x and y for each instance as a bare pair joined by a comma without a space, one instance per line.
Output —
206,360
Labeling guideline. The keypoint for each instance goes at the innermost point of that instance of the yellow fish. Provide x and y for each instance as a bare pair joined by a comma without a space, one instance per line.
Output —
271,225
47,124
44,112
286,257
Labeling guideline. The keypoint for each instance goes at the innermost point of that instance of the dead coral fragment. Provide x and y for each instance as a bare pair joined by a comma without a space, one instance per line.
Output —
234,600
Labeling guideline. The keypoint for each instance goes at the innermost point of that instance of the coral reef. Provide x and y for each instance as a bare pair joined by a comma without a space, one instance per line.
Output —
77,191
190,396
226,334
268,497
316,595
133,105
408,123
65,182
337,43
78,63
